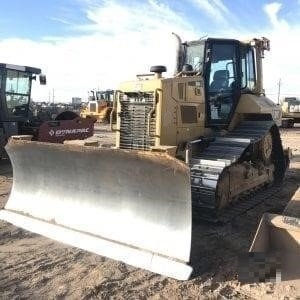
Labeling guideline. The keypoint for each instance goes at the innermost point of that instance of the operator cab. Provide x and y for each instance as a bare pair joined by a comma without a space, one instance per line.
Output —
15,91
228,69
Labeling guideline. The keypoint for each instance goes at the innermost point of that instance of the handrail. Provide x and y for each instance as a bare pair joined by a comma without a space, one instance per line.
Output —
117,92
157,91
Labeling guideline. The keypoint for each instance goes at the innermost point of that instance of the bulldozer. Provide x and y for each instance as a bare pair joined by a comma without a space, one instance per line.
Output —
16,118
194,142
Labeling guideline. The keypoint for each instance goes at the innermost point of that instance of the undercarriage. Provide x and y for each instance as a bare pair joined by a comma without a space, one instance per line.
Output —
229,167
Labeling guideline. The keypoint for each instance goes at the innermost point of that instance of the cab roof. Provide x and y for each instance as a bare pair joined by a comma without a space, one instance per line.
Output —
31,70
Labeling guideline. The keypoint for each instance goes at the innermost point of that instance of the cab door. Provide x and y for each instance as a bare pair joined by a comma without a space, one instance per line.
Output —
16,94
222,81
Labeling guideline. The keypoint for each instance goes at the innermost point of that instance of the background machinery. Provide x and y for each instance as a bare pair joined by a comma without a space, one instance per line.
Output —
290,111
16,118
99,106
194,142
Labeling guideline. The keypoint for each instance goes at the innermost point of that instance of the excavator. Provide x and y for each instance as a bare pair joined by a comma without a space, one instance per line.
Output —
197,141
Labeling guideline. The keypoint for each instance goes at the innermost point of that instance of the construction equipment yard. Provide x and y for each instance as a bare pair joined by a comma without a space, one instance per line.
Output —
34,267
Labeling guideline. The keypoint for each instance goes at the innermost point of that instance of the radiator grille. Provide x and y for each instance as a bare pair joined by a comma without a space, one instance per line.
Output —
92,107
135,109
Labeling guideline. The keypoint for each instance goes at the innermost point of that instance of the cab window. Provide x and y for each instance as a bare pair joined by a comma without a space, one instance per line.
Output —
17,91
222,81
248,69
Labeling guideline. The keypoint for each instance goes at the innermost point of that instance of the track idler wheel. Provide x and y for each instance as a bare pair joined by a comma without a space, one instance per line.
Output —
266,148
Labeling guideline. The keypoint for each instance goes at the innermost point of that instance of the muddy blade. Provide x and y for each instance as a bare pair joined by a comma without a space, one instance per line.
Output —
130,206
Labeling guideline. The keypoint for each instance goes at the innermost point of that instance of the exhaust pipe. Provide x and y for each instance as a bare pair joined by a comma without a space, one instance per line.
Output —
179,54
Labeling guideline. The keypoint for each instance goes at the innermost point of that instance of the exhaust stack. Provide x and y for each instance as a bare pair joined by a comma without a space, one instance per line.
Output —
179,54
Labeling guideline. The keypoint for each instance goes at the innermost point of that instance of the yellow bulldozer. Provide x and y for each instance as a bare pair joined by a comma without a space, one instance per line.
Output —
197,141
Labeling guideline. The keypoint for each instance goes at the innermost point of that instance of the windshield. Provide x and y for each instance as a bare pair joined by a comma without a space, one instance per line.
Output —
105,95
292,100
17,90
195,55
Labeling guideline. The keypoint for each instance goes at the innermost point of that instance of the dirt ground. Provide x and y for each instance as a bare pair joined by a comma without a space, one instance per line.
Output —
34,267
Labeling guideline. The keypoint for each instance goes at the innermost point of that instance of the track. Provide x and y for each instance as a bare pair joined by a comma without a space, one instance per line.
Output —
242,205
208,166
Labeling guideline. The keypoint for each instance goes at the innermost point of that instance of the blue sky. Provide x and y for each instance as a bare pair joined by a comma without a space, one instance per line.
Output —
35,19
84,44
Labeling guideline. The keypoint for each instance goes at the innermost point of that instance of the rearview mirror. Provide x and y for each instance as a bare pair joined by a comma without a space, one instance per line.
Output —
43,80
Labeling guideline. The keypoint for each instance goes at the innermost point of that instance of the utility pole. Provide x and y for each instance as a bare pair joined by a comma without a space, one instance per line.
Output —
53,96
278,96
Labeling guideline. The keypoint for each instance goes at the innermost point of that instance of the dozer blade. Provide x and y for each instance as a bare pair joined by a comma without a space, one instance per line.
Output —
127,205
278,239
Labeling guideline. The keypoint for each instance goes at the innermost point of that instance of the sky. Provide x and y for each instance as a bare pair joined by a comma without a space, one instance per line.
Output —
86,44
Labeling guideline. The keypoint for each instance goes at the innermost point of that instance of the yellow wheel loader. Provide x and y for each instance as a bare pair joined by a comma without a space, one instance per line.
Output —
99,106
197,141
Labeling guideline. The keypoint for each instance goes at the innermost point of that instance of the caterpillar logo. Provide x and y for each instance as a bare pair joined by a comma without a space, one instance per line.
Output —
63,132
